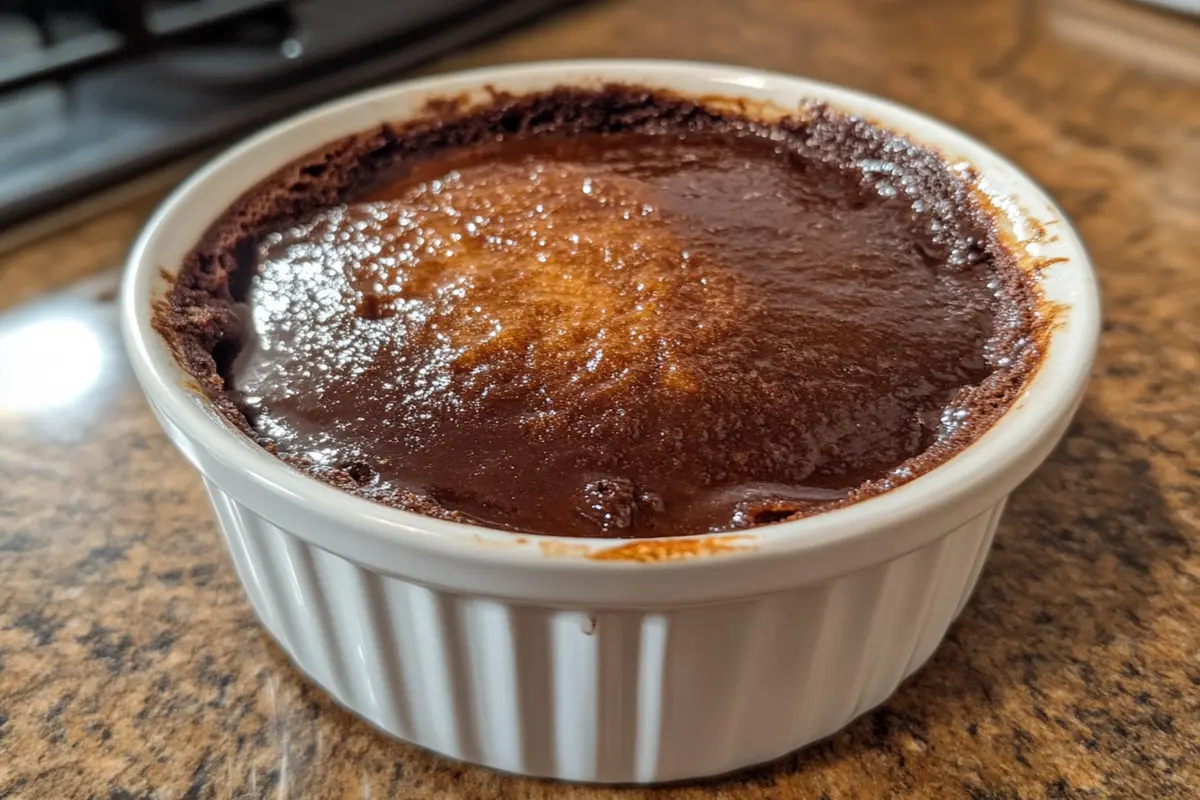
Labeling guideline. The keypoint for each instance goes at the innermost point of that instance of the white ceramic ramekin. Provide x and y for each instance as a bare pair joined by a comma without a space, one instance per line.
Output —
601,660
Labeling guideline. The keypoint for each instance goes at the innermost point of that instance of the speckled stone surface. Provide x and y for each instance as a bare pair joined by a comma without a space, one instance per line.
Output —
131,665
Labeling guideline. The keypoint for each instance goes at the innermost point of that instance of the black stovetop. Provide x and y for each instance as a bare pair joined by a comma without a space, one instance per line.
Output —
95,92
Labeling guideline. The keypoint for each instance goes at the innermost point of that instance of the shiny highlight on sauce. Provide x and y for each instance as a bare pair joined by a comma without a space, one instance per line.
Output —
627,334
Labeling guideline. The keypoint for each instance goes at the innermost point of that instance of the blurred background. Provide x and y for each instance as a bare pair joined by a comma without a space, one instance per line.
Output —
101,95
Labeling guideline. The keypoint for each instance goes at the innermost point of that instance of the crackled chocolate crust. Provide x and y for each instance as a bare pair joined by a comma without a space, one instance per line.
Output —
735,322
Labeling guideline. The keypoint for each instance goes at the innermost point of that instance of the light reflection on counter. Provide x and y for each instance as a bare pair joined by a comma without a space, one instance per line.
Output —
61,358
47,363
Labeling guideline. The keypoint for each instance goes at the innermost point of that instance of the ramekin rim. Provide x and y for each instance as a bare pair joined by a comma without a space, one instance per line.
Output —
1049,398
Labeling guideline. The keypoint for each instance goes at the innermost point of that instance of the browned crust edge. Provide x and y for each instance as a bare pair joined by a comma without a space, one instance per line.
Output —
197,316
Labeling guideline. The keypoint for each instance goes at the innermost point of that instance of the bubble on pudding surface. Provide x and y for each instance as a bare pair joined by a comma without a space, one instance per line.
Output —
360,472
614,503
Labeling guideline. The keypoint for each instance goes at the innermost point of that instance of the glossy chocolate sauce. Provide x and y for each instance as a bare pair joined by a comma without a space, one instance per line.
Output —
642,331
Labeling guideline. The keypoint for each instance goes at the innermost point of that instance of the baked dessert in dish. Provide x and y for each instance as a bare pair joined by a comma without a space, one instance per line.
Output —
617,312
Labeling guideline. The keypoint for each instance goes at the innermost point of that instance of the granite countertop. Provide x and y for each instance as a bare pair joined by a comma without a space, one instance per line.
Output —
132,666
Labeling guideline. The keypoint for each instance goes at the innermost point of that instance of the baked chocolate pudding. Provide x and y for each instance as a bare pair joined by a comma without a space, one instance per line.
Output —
610,313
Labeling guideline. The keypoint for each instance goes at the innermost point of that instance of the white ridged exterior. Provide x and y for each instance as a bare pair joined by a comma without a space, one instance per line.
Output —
604,695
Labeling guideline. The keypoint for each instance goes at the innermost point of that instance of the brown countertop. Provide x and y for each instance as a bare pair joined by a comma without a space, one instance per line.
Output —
132,666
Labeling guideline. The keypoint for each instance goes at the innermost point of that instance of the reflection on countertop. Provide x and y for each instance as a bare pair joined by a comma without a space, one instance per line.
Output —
60,358
131,665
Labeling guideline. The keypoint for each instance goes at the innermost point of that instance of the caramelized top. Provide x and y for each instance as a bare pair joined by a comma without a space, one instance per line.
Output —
629,333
